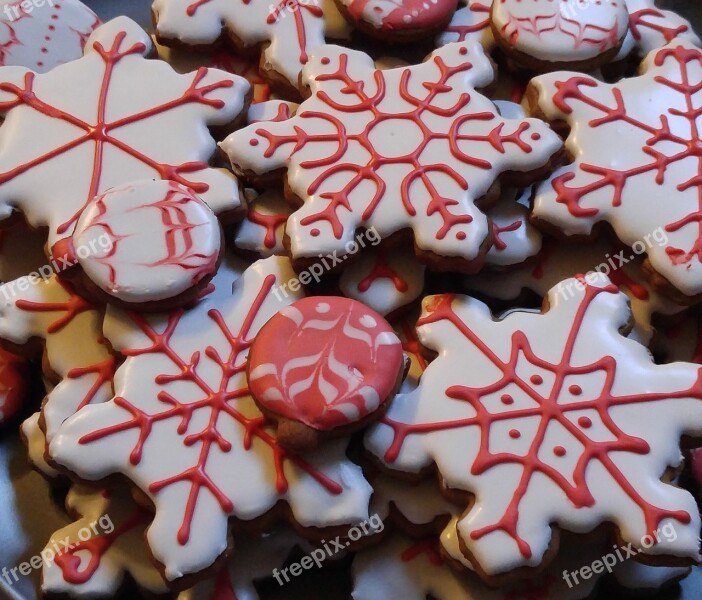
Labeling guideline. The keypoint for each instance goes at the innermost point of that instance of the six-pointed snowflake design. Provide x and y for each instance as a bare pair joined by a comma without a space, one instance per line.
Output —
184,428
651,178
98,565
99,122
51,311
547,418
291,29
409,147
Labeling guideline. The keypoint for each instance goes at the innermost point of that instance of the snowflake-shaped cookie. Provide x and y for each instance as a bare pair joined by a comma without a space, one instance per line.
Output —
49,310
92,556
404,148
40,35
183,393
558,419
651,178
651,28
470,23
289,29
262,230
110,118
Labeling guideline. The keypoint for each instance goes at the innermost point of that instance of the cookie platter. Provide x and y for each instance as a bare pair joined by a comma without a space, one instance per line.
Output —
440,543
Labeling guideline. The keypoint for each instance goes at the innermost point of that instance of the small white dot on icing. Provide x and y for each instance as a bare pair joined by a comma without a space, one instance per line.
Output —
368,321
323,307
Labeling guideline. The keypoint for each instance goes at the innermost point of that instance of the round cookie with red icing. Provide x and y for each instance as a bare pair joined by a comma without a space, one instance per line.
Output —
40,35
324,367
151,243
544,36
398,20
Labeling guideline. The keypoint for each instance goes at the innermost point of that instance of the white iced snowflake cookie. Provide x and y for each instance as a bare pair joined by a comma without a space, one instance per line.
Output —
152,244
658,137
183,391
560,419
35,441
384,279
106,119
544,35
559,261
42,35
262,231
289,30
93,556
414,148
471,22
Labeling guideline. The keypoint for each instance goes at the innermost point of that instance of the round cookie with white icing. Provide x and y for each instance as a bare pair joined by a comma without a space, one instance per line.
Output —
548,35
43,35
324,367
560,419
398,20
150,244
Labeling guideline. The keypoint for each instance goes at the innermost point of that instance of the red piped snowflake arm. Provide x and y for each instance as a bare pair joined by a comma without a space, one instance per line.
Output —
470,23
124,118
409,147
182,393
51,311
629,184
98,566
559,419
291,30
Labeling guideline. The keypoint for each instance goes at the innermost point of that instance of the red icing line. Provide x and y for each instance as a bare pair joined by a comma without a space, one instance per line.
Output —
617,179
341,137
248,69
637,22
70,563
100,133
407,14
270,223
499,243
220,402
546,406
72,307
105,371
382,270
326,362
428,547
412,345
619,278
463,31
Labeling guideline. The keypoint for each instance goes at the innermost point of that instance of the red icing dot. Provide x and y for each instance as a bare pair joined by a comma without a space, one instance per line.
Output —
506,399
536,379
315,232
346,346
325,61
514,434
585,422
463,51
576,390
253,142
535,136
52,27
461,235
44,50
559,451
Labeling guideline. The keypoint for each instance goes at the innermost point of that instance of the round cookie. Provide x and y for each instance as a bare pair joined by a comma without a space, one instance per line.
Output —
398,20
324,367
42,35
548,35
151,245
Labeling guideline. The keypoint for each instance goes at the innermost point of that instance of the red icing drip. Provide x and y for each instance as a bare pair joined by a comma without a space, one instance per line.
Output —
546,405
219,402
427,547
572,197
70,308
100,133
438,204
499,243
71,564
270,223
382,270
